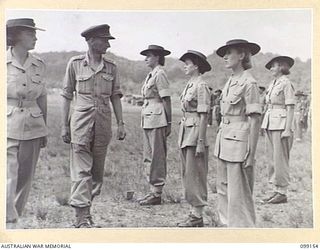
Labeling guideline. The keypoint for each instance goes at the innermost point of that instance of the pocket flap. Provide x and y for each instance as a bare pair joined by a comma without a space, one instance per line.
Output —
234,99
190,122
236,135
82,108
36,79
83,78
108,77
278,113
153,111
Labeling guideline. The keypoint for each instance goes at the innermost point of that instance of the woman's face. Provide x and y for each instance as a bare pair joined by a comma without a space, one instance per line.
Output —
189,67
233,58
275,69
151,60
26,39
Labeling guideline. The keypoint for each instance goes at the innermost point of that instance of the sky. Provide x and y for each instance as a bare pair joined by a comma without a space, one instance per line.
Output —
285,31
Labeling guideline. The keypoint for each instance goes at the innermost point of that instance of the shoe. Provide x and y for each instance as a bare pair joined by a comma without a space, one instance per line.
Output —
265,200
278,198
83,218
150,199
192,221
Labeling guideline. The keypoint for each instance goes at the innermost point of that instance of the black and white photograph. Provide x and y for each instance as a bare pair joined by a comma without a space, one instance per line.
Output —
159,119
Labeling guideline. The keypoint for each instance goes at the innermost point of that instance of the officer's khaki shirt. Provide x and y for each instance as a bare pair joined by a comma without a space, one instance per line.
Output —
25,85
92,90
195,99
280,93
155,87
239,98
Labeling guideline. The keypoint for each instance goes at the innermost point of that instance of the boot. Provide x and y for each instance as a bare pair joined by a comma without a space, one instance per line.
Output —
83,217
192,221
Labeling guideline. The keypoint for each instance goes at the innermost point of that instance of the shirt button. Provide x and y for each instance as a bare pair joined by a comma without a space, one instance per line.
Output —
23,97
23,71
21,110
24,84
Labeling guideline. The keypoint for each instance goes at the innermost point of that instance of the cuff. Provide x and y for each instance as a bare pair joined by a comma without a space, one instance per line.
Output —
290,102
203,108
164,93
253,108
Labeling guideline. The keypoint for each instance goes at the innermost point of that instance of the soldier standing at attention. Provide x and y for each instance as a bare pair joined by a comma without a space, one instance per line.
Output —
26,113
278,124
195,104
94,81
156,122
237,136
262,98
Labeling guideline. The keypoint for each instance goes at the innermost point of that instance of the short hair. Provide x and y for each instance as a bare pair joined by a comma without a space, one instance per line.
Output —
161,60
246,62
196,61
284,67
12,35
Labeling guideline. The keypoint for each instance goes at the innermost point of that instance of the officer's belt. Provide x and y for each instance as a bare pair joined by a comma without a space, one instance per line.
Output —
233,118
191,115
276,106
151,101
21,103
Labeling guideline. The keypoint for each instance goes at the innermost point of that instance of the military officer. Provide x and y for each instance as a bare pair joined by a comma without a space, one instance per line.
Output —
278,125
156,122
93,80
195,102
26,113
300,114
237,136
262,98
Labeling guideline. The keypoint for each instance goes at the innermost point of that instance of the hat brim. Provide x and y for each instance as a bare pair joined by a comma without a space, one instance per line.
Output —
253,47
205,64
162,52
26,26
286,59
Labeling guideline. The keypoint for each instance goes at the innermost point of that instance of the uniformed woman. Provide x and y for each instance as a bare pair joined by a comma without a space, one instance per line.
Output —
156,122
26,113
237,136
278,121
195,101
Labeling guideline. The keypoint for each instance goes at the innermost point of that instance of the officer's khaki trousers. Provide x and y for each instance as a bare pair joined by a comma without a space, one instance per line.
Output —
22,157
194,176
155,154
235,194
87,169
279,170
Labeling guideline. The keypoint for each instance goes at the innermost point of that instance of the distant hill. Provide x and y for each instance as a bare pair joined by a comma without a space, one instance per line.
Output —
132,73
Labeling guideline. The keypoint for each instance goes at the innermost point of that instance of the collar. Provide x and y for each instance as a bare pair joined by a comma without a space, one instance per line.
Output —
155,70
30,60
242,79
86,62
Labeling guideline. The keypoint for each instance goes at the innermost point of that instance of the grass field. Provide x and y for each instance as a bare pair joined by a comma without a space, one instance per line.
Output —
124,171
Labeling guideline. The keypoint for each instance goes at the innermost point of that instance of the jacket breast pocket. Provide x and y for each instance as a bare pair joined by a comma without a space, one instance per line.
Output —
106,84
235,145
84,85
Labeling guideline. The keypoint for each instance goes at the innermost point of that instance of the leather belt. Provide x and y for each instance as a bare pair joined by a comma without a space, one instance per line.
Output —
232,119
276,106
22,103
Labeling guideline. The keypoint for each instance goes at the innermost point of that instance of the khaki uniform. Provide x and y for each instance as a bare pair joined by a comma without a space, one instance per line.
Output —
239,99
90,124
279,94
301,117
25,127
195,99
154,122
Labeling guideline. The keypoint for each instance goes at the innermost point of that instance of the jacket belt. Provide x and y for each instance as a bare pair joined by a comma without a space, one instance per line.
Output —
190,114
22,103
230,119
276,106
151,101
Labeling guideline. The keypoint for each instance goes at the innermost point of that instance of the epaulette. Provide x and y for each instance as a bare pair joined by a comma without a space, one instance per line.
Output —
108,60
79,57
37,58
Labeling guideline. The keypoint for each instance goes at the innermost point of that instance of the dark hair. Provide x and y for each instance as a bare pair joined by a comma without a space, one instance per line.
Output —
196,61
161,60
246,62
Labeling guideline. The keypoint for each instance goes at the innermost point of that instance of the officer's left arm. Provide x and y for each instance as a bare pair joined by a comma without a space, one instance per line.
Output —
117,106
253,110
289,102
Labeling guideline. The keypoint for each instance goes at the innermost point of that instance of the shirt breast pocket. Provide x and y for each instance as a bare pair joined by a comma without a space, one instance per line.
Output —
84,84
106,84
36,85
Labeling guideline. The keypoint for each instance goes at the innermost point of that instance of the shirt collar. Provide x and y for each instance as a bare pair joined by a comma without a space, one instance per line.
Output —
30,60
155,70
86,62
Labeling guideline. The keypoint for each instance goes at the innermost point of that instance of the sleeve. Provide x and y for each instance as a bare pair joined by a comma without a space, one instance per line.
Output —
162,84
252,99
288,89
116,90
69,82
203,96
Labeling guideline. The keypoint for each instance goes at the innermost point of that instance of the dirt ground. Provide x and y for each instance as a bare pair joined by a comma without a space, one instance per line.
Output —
124,171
